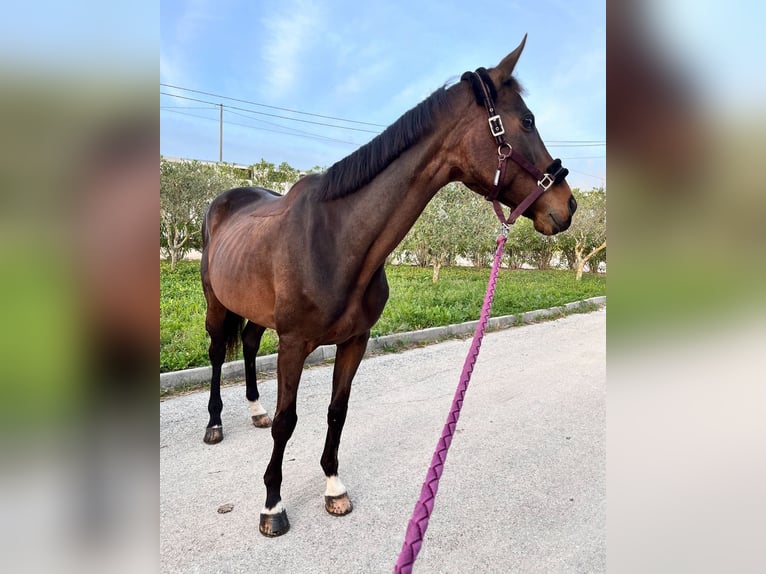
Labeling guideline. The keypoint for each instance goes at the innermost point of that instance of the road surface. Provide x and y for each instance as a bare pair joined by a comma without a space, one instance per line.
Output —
523,489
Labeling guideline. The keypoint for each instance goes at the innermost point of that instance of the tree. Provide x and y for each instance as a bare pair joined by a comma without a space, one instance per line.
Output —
430,241
185,190
585,241
278,178
530,246
456,223
479,229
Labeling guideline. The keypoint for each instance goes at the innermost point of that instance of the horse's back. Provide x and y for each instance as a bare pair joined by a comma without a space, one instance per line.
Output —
239,200
243,196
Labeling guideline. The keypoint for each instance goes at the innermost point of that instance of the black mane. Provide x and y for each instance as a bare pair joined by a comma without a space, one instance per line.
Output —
360,168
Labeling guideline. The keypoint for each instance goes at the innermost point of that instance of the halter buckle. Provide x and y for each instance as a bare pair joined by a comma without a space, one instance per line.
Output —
546,181
496,126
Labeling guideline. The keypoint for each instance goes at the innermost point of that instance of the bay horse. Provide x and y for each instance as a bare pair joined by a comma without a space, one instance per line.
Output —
310,264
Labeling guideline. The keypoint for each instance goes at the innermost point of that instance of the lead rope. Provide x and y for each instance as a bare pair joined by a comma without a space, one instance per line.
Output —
418,524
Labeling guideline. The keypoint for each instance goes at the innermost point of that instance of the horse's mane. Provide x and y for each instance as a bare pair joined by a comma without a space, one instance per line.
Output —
360,168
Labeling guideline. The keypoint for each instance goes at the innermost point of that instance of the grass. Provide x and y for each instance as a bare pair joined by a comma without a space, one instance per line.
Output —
415,303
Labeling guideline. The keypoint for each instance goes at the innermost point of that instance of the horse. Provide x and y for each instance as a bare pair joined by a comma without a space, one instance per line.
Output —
310,264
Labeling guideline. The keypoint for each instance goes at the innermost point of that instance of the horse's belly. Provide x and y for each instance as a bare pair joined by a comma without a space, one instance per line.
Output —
242,283
258,308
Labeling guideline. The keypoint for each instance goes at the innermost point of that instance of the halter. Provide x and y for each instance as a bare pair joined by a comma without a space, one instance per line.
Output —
555,173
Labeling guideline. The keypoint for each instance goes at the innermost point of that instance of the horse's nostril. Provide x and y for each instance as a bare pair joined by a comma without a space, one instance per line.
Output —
572,205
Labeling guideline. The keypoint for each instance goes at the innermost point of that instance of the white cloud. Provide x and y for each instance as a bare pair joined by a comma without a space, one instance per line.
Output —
290,33
178,43
570,103
588,67
169,70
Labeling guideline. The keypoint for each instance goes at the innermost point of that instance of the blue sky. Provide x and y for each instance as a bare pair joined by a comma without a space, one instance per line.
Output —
369,62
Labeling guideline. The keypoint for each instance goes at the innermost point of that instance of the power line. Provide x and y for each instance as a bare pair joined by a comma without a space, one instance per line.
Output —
293,131
552,143
584,157
189,107
272,107
301,133
578,141
319,137
269,115
589,175
279,131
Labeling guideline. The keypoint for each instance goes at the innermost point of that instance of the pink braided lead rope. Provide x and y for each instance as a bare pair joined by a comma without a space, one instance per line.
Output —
418,524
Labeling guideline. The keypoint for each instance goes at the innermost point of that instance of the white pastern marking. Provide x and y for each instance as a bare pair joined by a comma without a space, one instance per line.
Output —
256,408
276,510
334,487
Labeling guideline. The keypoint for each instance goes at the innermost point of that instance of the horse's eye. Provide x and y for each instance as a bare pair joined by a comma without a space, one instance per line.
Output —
528,122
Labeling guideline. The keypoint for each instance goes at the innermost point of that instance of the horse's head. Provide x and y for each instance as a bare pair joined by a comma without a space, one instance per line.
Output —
511,138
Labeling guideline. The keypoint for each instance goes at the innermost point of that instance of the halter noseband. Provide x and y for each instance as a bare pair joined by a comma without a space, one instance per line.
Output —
485,92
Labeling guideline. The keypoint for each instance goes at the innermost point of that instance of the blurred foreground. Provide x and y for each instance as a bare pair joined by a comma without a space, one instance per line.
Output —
79,286
687,319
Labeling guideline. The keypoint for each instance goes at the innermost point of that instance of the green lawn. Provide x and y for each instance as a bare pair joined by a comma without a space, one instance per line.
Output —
415,303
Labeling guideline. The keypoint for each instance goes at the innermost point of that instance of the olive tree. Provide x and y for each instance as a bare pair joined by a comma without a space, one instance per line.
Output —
185,190
455,223
431,241
585,241
531,247
278,178
479,229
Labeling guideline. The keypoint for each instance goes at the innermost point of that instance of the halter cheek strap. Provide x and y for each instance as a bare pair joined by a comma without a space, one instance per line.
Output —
485,92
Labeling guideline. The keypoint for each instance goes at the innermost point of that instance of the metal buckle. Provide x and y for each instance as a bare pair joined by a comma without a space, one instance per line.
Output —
546,181
496,126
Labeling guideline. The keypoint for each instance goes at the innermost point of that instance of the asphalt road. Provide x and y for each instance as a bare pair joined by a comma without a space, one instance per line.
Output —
523,489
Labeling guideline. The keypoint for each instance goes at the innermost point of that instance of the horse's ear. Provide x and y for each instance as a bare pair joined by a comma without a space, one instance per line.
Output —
505,68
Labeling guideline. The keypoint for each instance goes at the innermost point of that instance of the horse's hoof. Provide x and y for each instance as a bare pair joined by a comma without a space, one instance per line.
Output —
262,421
338,505
274,524
213,435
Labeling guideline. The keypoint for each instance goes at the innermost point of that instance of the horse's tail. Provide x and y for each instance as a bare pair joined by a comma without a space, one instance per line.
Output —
232,330
204,230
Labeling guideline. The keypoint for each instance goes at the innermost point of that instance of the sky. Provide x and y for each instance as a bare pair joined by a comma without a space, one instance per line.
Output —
369,62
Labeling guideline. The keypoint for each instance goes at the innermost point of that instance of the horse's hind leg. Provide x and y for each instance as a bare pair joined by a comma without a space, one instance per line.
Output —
251,342
214,321
347,359
223,327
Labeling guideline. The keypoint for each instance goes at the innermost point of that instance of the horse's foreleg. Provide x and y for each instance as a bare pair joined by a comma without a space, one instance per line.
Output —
251,342
347,359
292,354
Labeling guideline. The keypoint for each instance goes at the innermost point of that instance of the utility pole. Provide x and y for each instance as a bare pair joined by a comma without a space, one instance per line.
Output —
220,133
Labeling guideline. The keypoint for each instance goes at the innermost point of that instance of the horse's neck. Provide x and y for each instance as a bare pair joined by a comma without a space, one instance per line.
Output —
382,213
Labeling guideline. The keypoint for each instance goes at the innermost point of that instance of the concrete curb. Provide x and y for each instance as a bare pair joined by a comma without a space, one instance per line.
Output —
268,363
